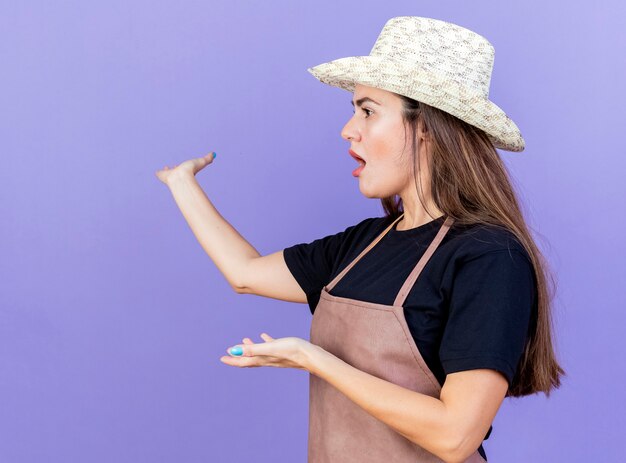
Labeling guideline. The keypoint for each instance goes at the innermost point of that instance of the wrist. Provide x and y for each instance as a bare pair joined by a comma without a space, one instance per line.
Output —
315,357
180,177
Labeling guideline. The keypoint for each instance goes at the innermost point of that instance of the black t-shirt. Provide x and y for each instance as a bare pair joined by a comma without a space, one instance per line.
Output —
471,305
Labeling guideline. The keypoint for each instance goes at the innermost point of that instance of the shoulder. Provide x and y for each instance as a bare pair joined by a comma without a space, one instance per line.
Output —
372,226
313,263
473,241
364,230
368,226
356,237
336,245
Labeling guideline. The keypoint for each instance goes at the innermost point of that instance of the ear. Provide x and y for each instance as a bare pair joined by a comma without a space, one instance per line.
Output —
422,129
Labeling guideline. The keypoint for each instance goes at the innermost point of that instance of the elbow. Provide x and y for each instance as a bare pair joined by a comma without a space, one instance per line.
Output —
459,451
449,450
239,289
238,285
453,459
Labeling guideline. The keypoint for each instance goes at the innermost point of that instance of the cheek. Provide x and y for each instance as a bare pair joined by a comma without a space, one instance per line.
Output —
387,141
392,164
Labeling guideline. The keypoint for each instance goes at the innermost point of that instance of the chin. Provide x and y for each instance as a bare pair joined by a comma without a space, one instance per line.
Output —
370,194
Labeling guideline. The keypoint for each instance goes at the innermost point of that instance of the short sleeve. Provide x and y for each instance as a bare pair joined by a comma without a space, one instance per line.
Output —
491,302
313,264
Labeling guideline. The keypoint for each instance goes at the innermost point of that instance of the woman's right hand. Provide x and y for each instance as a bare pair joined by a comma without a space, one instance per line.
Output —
189,167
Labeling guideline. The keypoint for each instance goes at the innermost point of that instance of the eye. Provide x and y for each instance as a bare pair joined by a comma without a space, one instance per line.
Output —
367,111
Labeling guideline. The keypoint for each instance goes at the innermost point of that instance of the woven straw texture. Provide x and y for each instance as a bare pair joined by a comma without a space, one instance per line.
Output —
436,62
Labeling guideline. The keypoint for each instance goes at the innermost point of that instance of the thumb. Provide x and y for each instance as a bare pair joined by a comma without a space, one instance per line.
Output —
266,337
200,163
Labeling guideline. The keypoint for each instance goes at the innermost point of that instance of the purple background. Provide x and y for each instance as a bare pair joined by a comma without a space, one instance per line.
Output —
113,319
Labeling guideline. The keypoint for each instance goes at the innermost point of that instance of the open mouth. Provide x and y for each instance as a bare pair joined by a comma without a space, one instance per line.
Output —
358,158
358,170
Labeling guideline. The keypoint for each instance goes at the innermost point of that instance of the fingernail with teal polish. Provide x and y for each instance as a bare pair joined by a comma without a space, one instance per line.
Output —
214,154
236,350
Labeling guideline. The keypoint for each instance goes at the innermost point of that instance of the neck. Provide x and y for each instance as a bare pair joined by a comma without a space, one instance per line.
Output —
416,215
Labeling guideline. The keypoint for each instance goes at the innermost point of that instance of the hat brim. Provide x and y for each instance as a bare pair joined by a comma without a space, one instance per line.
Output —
422,84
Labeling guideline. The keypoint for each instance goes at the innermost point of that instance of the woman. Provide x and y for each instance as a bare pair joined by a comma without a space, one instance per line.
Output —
425,319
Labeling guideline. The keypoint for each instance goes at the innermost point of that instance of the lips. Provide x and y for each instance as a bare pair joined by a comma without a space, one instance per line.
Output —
359,159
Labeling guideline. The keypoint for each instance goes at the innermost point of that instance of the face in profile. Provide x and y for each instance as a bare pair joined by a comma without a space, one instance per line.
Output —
377,134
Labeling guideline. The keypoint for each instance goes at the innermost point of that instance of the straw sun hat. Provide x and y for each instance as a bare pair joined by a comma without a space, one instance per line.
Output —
435,62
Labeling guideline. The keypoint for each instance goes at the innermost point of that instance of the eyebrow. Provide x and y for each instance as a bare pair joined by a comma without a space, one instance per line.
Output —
360,101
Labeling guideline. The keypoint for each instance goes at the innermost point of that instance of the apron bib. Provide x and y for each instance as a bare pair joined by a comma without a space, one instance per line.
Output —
374,338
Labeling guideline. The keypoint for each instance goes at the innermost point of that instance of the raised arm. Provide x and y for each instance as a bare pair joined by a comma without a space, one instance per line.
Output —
241,264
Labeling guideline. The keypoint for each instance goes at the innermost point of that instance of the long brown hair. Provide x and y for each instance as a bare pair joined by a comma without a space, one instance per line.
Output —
470,183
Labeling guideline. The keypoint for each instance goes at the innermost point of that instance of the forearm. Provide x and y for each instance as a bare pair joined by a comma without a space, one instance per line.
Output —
225,246
420,418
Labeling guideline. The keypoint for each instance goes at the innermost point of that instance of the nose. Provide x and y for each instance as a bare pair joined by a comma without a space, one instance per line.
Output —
349,131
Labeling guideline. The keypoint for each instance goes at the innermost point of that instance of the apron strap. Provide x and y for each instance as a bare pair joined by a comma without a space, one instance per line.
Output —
335,280
410,281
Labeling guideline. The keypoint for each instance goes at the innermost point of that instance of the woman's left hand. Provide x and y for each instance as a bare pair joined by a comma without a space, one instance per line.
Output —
288,352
